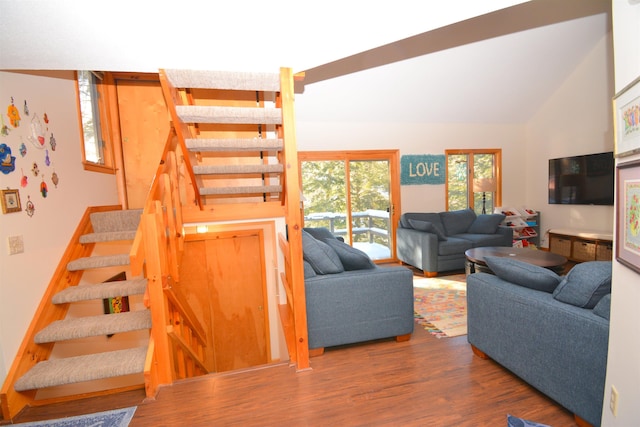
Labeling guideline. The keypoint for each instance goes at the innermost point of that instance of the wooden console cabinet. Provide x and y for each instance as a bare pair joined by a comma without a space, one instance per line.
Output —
581,246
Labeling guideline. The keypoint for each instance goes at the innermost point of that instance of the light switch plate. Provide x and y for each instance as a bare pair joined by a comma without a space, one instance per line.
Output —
16,245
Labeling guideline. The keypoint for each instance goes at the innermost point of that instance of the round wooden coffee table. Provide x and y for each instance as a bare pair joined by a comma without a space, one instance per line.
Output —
475,258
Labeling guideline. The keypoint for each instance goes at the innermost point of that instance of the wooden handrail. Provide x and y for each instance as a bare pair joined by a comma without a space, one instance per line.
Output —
187,313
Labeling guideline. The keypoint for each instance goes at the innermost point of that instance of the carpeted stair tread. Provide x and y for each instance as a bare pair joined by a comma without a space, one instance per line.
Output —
100,291
91,326
228,80
237,169
230,144
112,236
228,115
98,262
76,369
244,190
120,220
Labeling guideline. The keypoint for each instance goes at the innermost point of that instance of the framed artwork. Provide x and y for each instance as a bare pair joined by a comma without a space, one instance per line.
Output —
119,304
628,215
10,201
626,110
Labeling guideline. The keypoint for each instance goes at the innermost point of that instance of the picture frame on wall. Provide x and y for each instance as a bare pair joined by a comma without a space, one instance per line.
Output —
11,201
626,110
628,215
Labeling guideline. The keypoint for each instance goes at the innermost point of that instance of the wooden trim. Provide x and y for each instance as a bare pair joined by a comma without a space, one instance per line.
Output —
497,152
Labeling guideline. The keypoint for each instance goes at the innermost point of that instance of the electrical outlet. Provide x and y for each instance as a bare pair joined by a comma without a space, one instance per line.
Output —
613,403
16,245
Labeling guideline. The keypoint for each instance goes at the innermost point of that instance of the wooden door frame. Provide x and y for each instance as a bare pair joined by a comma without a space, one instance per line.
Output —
392,156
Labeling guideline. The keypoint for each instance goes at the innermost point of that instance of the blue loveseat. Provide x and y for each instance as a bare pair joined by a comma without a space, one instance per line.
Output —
436,242
349,298
551,331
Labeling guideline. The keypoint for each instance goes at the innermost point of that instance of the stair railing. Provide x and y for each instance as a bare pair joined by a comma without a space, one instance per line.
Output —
177,339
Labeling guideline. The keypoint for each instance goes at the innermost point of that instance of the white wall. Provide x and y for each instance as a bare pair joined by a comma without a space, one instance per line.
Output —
24,277
575,120
623,365
413,138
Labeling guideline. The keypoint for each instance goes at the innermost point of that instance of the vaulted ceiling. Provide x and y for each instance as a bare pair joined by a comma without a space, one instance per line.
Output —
439,61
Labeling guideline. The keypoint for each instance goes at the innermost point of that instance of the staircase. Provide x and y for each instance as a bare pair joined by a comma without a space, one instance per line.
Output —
108,227
231,124
230,155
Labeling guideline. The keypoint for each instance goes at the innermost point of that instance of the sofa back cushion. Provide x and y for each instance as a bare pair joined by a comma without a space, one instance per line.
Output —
585,284
351,258
320,256
457,222
486,224
429,227
523,274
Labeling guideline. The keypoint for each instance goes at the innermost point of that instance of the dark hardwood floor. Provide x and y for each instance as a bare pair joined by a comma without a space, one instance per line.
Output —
422,382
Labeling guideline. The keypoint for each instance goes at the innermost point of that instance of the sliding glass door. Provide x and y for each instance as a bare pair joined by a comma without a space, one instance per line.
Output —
353,195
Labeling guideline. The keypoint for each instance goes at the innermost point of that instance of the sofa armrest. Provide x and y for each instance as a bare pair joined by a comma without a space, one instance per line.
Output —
359,305
507,232
417,248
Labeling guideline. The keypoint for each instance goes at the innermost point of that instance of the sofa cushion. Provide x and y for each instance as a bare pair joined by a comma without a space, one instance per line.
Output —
308,270
523,274
454,246
319,233
433,217
603,307
321,256
480,240
456,222
585,284
351,258
428,227
486,224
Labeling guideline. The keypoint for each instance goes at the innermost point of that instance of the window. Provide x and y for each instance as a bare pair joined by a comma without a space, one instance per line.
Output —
97,153
474,179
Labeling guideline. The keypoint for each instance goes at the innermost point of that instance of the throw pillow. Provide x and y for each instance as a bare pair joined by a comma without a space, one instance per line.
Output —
322,258
351,258
457,222
585,284
429,227
319,233
308,270
523,274
603,307
486,224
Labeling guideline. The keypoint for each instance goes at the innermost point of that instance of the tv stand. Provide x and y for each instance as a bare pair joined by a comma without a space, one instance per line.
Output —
580,246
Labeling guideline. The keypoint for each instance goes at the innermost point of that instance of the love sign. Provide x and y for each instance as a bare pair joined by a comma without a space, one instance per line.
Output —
417,169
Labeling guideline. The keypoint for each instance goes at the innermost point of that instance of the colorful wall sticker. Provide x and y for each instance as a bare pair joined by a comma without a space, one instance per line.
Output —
7,161
13,114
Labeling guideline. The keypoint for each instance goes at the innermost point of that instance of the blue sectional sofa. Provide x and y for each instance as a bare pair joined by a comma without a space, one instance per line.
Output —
349,298
436,242
552,331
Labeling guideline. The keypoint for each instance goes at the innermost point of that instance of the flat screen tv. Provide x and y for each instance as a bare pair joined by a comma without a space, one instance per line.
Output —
582,180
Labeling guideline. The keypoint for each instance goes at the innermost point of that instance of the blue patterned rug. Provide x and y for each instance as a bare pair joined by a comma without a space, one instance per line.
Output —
519,422
115,418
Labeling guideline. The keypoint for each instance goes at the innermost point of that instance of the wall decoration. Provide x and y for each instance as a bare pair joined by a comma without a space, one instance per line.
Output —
7,161
52,142
626,108
23,150
422,169
5,129
116,304
10,201
35,169
44,190
26,108
37,132
14,114
54,178
24,181
30,207
47,160
628,215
